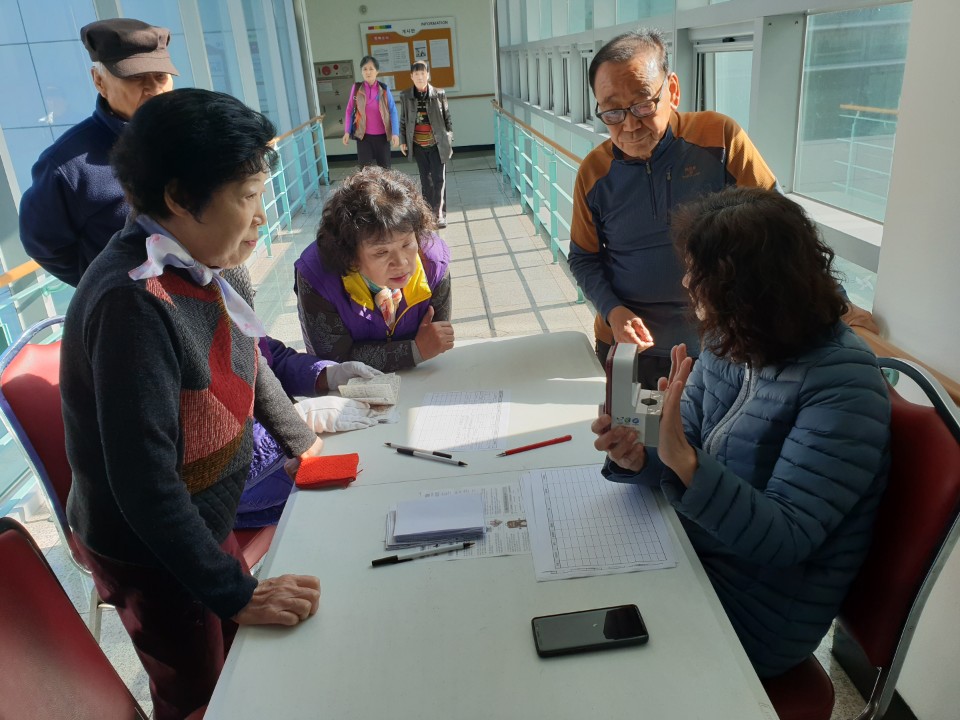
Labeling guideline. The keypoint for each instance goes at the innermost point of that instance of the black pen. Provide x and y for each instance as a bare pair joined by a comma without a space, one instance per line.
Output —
426,454
394,559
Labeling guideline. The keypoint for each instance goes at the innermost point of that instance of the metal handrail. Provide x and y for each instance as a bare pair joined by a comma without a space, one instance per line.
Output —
309,151
17,273
530,163
848,186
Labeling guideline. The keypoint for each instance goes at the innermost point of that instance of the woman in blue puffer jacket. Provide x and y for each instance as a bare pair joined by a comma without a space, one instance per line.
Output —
773,448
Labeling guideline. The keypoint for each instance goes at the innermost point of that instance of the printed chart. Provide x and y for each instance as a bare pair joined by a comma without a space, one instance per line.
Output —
583,525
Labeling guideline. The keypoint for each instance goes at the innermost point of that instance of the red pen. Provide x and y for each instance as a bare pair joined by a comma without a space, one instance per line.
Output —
565,438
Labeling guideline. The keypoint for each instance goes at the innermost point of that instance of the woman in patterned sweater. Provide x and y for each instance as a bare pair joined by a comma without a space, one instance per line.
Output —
160,382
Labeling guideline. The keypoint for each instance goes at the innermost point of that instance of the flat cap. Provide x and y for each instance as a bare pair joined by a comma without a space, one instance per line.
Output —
128,47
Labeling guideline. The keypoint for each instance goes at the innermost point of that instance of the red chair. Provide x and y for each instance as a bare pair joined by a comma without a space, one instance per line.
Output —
917,526
51,666
30,409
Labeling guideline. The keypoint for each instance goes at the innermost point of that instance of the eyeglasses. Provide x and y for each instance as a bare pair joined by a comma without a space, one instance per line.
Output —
642,109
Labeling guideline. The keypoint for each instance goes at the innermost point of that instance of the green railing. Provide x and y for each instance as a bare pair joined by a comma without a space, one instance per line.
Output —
301,166
537,169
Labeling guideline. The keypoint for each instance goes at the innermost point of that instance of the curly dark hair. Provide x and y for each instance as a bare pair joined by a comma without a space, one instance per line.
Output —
191,142
368,208
760,278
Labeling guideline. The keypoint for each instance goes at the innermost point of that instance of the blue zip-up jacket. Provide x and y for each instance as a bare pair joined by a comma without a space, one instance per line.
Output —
621,251
792,461
75,203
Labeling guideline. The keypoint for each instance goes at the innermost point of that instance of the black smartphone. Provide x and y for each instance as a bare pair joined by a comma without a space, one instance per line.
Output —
587,630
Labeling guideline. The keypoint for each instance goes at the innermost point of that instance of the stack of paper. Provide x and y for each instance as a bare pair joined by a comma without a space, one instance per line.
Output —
379,390
444,518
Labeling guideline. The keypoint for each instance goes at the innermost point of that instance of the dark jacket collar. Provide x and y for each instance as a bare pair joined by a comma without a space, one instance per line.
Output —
104,115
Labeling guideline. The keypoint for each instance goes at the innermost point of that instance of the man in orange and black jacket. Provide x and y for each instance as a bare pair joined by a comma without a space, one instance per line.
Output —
656,158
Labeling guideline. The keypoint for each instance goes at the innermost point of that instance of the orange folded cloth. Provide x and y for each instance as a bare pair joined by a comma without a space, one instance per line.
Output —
328,470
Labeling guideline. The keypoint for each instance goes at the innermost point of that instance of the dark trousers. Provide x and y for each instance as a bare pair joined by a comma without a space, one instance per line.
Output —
374,150
433,178
181,644
649,367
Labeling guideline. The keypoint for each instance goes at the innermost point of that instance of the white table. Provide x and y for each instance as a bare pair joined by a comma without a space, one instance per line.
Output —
555,388
451,639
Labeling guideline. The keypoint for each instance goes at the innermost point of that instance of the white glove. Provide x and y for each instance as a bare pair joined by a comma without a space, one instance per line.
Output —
335,414
337,375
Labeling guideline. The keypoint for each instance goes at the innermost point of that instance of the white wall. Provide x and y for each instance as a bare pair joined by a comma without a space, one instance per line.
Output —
335,35
918,298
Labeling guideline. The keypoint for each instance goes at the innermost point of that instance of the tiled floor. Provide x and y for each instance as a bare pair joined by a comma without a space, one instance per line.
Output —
504,283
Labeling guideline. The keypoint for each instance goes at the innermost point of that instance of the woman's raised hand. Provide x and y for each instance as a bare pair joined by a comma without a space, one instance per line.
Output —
673,448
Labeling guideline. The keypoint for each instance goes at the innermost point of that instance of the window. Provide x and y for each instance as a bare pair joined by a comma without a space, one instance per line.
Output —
723,84
565,85
586,107
579,15
630,10
263,61
536,71
549,103
221,49
852,77
45,84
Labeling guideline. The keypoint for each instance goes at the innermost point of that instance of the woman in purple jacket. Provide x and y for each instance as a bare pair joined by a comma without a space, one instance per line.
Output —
375,286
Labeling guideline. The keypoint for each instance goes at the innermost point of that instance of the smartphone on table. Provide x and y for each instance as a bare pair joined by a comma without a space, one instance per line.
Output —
587,630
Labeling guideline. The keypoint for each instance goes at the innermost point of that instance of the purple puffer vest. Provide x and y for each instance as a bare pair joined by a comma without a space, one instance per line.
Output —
364,323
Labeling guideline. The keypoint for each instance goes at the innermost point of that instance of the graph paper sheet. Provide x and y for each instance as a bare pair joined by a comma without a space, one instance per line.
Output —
462,420
582,525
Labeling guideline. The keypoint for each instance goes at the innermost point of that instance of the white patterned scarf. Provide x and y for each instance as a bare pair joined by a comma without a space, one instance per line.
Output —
163,250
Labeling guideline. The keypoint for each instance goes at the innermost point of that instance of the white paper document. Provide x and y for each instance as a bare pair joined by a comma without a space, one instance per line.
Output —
582,525
434,519
506,523
467,420
439,53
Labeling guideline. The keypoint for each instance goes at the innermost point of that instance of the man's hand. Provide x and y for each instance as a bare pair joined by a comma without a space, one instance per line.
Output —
395,141
293,464
619,443
403,148
283,600
673,448
858,317
433,338
628,328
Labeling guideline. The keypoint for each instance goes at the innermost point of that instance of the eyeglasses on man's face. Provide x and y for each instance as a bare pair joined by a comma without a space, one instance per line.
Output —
642,109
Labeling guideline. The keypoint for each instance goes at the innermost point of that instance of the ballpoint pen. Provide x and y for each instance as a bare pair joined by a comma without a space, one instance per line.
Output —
394,559
524,448
427,454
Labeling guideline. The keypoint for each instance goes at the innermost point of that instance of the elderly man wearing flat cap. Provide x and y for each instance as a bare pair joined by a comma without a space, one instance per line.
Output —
75,204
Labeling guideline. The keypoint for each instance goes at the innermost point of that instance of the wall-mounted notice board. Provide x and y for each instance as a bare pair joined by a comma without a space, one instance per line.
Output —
396,44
